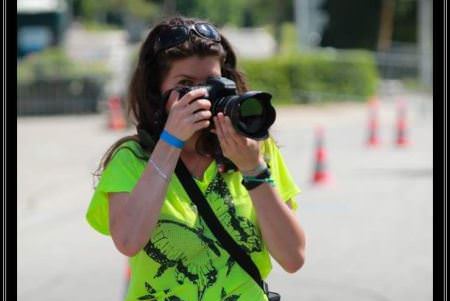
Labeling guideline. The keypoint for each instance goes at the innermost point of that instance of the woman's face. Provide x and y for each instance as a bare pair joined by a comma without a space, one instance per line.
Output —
189,72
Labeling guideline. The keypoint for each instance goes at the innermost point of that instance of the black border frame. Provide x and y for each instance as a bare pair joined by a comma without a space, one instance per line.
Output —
9,208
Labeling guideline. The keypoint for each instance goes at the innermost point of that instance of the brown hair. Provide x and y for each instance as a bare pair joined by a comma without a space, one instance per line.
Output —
144,95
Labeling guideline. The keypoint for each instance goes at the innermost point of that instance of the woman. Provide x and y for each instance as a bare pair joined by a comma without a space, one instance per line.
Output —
140,202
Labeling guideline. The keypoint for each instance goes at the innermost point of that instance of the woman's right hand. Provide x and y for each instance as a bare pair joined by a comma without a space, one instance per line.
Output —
188,114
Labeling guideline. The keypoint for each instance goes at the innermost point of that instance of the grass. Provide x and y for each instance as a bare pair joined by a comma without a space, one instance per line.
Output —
414,84
97,26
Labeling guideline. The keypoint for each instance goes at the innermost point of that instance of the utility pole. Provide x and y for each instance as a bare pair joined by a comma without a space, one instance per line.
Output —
277,23
386,25
310,22
425,38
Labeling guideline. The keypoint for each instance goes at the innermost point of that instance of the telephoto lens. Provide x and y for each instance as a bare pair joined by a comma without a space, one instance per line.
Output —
251,113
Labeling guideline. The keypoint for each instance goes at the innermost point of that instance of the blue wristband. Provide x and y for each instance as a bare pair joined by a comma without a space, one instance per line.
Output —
171,139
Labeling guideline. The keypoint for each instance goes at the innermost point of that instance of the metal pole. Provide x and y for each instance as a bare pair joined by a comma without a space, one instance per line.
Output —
425,38
302,23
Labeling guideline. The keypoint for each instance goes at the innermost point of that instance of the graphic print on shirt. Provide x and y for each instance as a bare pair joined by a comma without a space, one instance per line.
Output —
223,296
240,228
151,294
192,251
188,250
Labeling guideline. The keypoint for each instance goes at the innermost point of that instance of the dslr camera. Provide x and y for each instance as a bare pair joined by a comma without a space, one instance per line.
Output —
251,113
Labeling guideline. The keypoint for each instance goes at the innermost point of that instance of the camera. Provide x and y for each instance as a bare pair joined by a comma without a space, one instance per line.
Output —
251,113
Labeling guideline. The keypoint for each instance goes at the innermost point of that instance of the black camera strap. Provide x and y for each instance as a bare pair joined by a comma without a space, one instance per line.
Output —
227,242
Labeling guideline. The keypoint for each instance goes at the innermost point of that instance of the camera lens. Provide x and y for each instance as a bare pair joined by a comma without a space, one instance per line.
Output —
250,107
251,115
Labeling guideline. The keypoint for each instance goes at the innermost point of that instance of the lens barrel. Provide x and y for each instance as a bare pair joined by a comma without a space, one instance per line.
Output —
251,113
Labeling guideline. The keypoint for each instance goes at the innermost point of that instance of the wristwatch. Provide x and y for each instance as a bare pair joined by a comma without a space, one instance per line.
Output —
252,182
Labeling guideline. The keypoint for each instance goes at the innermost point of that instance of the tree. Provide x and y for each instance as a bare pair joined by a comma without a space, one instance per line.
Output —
98,10
352,24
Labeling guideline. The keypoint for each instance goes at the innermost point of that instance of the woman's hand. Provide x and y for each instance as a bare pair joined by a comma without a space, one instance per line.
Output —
244,152
188,114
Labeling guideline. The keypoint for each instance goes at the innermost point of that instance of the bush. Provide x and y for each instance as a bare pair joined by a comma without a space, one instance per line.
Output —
50,83
53,63
318,76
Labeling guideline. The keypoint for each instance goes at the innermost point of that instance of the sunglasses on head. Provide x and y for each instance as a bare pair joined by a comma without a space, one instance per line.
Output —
175,35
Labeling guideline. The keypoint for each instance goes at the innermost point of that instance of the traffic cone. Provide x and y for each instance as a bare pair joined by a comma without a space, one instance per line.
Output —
321,175
116,116
401,125
127,280
373,139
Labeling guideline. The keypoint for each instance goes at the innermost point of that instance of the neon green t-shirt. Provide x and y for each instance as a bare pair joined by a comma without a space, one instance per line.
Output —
183,261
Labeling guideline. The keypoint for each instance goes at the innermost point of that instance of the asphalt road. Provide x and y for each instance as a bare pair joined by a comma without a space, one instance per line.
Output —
369,233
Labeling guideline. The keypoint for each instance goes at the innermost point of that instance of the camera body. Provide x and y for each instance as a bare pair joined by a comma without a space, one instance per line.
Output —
217,87
251,113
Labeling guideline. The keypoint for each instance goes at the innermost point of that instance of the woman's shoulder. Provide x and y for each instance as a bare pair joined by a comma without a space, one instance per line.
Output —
131,148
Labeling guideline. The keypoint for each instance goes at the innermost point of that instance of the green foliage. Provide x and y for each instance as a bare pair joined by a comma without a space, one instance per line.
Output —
218,12
91,9
231,12
141,9
97,26
235,12
318,76
289,39
53,63
414,84
96,10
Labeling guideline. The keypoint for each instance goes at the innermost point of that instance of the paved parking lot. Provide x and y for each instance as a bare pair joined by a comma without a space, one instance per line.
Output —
369,234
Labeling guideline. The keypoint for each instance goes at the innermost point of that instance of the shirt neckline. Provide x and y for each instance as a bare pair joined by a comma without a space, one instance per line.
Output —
208,174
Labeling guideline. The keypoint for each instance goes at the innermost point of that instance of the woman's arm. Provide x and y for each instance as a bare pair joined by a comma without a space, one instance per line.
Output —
133,216
280,229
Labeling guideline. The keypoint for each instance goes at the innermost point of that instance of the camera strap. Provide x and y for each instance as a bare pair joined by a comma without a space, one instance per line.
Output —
211,220
213,223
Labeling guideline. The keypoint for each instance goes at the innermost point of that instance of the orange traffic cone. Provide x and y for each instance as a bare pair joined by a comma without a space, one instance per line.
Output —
374,139
401,125
127,280
116,116
321,175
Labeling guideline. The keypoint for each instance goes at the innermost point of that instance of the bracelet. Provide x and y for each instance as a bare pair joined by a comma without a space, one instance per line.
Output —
255,171
171,139
266,180
160,172
251,182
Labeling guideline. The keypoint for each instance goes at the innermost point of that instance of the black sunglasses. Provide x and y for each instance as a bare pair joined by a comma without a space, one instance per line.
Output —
178,34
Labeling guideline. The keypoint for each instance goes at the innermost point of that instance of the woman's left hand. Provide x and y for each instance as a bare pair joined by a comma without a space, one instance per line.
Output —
244,152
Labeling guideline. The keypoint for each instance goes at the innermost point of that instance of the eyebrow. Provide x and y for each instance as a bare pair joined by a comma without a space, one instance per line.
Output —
185,75
190,76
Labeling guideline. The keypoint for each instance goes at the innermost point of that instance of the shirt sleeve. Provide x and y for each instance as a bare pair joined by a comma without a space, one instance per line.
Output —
284,182
120,175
